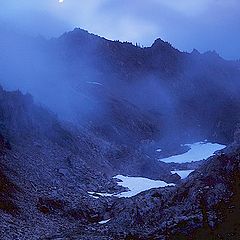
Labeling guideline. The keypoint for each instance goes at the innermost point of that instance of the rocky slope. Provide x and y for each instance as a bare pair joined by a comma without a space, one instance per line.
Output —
48,166
116,104
204,206
178,95
188,92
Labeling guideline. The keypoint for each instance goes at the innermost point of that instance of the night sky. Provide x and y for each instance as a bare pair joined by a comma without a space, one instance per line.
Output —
186,24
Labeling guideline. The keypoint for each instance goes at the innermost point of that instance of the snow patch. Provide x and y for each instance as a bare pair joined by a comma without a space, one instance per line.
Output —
97,195
104,222
182,173
95,83
135,185
198,151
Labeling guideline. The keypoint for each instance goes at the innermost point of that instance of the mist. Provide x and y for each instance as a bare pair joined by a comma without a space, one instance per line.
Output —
80,76
108,117
204,24
32,65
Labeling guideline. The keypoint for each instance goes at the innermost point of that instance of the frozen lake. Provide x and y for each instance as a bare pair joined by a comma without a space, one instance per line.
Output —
198,151
135,185
138,184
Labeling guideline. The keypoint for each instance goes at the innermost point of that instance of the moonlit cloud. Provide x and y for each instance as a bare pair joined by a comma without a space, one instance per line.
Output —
188,7
187,24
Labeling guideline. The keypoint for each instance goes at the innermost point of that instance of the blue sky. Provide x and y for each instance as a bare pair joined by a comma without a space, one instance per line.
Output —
187,24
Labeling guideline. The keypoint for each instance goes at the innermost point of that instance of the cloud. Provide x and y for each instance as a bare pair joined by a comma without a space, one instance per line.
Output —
187,24
187,7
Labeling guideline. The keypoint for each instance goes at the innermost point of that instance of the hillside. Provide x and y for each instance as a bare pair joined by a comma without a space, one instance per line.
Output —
77,110
86,79
180,88
47,168
204,206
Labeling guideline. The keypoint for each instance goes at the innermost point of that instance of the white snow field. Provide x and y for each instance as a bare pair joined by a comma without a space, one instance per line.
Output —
104,222
138,184
135,185
182,173
97,195
198,151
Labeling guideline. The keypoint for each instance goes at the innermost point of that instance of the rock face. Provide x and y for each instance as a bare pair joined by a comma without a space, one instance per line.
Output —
116,104
48,166
205,206
44,169
192,92
237,135
86,78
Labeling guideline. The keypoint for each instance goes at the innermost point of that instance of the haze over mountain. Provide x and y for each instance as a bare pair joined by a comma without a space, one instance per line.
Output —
92,109
80,76
201,24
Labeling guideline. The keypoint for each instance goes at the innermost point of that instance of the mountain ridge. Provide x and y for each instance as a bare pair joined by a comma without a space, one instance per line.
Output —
112,105
157,42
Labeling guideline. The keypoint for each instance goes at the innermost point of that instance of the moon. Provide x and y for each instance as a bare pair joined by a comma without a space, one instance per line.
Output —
60,1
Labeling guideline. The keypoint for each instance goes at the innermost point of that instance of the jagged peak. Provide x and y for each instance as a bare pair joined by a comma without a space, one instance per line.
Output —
195,52
212,53
79,33
160,43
